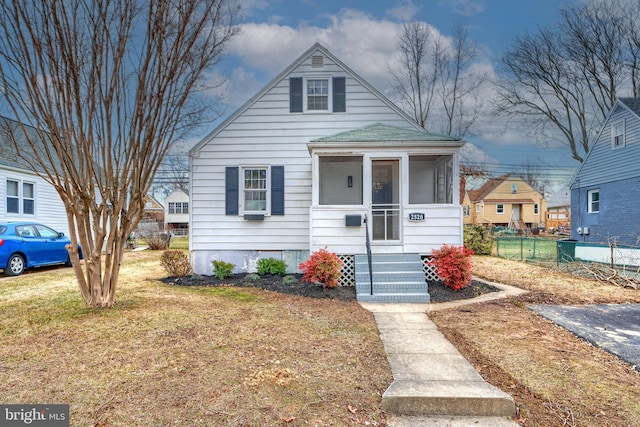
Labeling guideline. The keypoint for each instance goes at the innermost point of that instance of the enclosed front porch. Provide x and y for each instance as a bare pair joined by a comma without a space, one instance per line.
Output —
388,190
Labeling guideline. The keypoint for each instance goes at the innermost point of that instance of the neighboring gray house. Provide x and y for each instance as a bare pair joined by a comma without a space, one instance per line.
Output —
605,193
24,196
304,162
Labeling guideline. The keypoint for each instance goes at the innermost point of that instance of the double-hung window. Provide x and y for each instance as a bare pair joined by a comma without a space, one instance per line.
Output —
593,199
21,197
255,189
617,135
500,208
318,94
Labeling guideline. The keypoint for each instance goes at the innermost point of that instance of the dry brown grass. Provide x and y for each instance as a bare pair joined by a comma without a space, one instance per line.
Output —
188,356
556,378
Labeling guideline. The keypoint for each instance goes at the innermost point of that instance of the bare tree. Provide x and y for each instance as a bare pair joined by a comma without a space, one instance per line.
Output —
459,84
416,79
436,81
108,85
562,83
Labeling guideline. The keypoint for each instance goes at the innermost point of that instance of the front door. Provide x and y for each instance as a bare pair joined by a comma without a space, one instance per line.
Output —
385,200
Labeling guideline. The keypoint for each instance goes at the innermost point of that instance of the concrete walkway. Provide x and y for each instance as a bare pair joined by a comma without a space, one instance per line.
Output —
433,385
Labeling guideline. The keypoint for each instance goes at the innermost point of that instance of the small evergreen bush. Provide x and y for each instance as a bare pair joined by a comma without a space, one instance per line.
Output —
222,269
176,262
289,280
322,267
478,239
271,266
453,265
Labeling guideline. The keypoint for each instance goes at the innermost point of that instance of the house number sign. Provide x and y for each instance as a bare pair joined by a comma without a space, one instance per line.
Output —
416,216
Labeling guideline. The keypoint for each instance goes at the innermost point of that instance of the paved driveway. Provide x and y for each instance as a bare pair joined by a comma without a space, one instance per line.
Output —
613,327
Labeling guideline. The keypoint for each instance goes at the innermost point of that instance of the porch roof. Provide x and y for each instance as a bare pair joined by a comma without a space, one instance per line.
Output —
378,132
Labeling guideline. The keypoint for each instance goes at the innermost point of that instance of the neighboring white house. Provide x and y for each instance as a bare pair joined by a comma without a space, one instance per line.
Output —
24,196
303,163
176,212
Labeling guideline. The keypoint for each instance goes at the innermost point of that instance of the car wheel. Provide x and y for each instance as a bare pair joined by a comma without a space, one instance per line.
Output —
67,263
15,265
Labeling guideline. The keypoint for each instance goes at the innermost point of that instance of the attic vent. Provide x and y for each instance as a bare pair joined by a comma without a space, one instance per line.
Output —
317,61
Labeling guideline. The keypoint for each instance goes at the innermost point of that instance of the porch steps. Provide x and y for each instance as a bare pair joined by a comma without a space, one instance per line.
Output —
397,278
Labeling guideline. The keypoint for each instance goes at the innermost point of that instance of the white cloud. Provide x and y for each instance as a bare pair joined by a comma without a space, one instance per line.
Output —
405,11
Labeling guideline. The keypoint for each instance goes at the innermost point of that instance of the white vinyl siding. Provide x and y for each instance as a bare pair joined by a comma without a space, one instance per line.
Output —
37,200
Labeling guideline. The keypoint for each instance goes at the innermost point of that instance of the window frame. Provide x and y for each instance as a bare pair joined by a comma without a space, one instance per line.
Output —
243,190
618,130
499,208
536,209
591,202
20,198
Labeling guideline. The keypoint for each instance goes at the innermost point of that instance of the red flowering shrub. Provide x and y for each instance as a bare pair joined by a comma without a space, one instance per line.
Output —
453,265
322,267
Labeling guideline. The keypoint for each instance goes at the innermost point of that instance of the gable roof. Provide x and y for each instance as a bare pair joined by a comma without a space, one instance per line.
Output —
317,47
632,105
490,185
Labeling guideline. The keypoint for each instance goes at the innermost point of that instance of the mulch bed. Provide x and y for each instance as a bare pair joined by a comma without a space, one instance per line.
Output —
292,284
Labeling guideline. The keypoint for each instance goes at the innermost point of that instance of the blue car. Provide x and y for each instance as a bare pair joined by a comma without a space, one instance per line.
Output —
26,244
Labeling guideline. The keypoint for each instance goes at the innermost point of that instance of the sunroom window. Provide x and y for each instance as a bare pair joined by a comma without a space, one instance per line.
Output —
430,179
340,180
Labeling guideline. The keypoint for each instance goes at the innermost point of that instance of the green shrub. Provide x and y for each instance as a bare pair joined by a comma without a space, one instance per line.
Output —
222,269
176,262
271,266
322,267
252,277
453,265
289,280
478,239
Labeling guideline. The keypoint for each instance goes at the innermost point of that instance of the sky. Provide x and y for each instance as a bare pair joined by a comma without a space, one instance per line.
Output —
363,34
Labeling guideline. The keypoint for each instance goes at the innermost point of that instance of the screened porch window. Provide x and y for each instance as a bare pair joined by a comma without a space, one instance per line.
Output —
430,179
340,180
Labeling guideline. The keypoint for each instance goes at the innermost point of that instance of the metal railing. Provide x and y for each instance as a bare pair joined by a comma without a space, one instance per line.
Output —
368,248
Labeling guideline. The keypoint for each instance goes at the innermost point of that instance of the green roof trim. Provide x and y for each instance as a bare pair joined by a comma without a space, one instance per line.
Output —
379,132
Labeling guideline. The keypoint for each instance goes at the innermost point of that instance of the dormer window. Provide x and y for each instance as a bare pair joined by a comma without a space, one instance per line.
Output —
617,135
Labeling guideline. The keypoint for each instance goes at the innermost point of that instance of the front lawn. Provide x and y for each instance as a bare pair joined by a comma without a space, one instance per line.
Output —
167,355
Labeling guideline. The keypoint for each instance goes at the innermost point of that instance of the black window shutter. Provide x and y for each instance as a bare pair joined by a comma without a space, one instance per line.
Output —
295,95
339,95
277,190
231,190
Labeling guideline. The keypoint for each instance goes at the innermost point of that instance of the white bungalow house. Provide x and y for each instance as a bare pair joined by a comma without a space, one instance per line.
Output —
24,196
176,215
319,158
